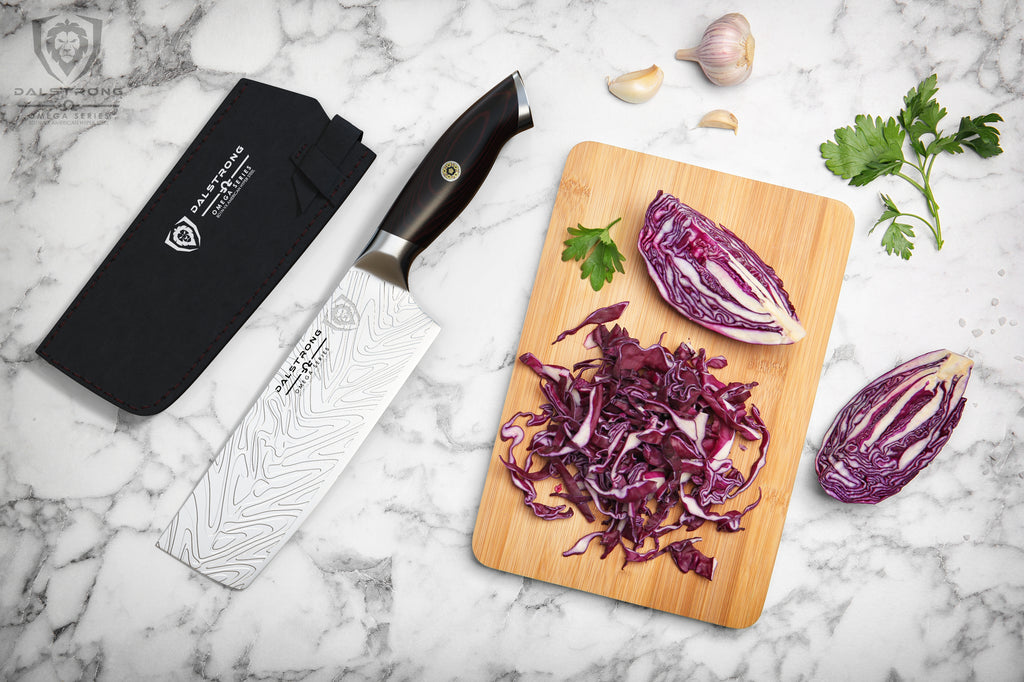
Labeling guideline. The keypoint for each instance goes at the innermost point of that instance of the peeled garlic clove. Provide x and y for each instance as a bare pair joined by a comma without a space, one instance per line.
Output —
726,51
720,118
637,86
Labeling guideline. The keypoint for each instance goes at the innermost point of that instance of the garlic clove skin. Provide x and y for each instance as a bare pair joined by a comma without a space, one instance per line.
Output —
637,86
725,52
720,118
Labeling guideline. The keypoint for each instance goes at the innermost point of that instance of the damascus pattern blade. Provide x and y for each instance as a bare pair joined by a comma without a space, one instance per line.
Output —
302,431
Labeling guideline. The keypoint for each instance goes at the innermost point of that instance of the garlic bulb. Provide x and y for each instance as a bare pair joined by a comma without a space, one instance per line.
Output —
720,118
637,86
726,51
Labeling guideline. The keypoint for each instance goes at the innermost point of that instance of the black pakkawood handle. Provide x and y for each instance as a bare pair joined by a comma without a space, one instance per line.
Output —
455,167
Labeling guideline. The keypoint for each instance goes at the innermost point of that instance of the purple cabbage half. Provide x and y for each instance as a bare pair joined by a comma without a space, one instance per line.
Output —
713,277
641,437
893,428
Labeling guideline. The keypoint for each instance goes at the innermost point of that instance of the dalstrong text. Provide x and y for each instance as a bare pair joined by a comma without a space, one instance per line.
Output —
213,199
67,92
302,363
221,181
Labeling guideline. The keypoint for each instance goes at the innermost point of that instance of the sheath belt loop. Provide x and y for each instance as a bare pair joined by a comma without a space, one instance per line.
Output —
325,167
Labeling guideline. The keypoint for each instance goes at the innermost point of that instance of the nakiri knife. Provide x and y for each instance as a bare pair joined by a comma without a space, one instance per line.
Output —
342,374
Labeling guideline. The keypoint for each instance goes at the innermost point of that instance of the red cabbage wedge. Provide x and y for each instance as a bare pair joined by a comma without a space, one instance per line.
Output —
641,436
893,428
713,277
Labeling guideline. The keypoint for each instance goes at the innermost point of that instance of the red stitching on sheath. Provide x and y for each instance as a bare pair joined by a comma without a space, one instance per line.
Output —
132,232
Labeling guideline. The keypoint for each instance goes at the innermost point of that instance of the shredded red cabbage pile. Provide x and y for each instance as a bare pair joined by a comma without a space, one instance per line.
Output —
641,434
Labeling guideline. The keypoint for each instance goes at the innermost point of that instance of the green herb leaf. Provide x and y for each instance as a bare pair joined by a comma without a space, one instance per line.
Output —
922,114
583,241
889,213
948,143
897,236
921,107
604,258
929,117
869,149
873,147
895,240
919,98
979,136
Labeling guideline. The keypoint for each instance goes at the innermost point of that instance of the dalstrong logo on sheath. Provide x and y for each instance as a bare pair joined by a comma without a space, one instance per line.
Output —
184,236
212,200
66,44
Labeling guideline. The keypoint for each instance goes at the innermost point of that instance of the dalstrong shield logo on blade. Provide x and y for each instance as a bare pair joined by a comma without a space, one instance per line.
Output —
184,236
66,44
343,315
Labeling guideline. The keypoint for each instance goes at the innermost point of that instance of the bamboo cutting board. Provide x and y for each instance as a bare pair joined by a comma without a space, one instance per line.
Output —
806,238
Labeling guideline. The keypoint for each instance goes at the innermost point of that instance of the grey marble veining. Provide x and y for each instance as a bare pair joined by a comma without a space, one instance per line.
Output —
380,583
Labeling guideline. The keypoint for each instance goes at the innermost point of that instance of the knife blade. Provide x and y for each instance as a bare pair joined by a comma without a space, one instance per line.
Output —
342,374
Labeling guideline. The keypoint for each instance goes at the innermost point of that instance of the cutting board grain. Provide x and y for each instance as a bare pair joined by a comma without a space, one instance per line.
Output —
807,239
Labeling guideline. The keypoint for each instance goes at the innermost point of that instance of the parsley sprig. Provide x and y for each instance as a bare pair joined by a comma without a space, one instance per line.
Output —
873,147
604,259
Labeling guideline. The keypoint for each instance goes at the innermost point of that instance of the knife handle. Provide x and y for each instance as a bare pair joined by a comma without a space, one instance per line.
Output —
452,171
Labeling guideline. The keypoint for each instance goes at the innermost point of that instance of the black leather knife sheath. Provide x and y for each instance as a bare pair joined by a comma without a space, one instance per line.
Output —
246,198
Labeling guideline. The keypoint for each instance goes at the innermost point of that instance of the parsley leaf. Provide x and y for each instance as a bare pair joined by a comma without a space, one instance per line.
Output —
873,147
890,211
898,235
982,138
949,143
895,239
866,151
918,99
921,113
604,259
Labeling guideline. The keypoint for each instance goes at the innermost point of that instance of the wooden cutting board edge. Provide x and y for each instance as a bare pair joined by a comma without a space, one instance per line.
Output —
572,191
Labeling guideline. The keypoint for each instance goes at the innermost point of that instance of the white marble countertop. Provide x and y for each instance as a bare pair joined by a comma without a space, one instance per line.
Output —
381,583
